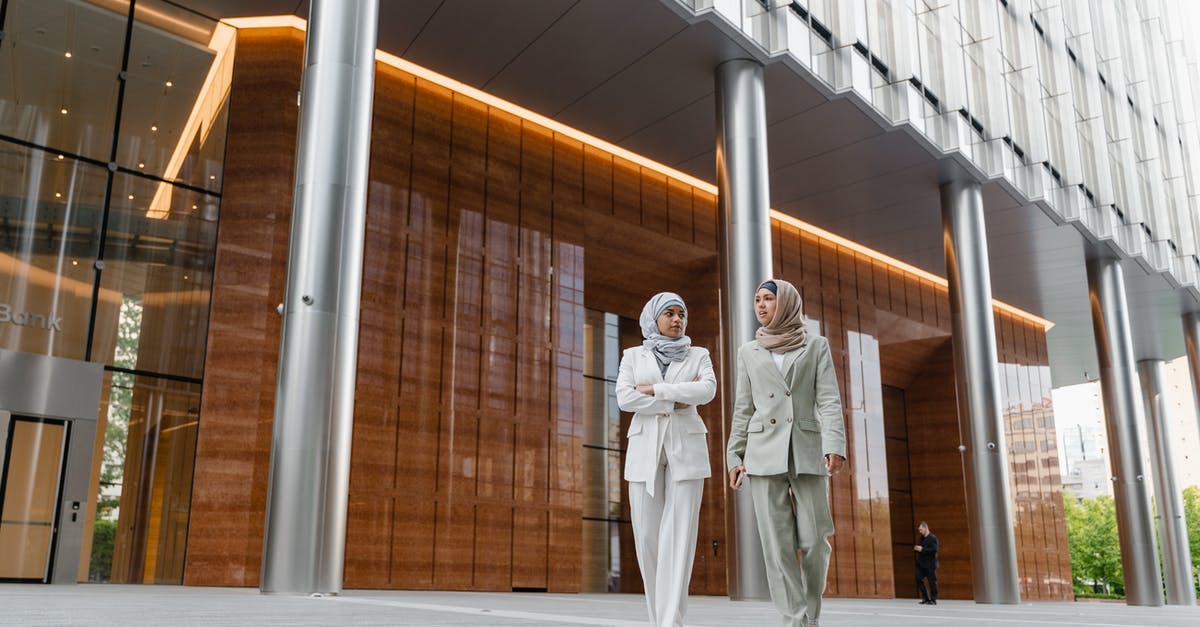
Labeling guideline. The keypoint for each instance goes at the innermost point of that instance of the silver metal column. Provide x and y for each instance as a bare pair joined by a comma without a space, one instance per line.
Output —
1122,409
1191,336
981,421
305,539
744,206
1168,500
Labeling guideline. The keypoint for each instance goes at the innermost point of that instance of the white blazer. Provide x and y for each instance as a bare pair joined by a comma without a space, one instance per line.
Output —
657,425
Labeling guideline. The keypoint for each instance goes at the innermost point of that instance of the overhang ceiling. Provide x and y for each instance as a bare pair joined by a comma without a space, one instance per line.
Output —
636,73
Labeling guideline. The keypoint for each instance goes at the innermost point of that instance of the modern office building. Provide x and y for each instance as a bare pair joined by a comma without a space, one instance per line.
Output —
535,170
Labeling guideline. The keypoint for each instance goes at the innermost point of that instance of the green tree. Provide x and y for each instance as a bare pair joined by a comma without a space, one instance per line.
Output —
1191,513
1094,545
104,536
119,404
112,467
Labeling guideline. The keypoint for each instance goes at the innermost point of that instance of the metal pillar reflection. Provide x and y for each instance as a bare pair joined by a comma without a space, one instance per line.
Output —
981,421
745,221
305,531
1191,336
1168,499
1122,409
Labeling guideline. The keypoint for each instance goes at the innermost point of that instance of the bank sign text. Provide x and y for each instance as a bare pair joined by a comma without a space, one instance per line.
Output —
30,319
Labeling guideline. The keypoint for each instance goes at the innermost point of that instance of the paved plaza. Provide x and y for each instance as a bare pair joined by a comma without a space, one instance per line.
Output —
175,605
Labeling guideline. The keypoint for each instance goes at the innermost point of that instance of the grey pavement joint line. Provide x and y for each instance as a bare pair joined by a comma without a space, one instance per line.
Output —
958,618
538,616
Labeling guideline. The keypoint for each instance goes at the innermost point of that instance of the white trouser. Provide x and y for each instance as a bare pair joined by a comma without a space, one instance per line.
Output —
664,534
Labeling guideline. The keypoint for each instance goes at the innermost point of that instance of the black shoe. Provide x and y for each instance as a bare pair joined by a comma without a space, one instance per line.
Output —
933,601
924,602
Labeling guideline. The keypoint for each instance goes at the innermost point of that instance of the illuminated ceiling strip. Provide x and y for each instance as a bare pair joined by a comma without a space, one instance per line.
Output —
278,21
900,265
206,108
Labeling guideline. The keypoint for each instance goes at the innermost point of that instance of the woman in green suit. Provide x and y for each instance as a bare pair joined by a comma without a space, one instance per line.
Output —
787,437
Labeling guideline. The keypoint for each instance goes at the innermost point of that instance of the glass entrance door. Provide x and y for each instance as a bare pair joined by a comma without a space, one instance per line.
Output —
29,497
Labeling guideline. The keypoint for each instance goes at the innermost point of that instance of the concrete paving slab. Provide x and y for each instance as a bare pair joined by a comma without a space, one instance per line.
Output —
177,605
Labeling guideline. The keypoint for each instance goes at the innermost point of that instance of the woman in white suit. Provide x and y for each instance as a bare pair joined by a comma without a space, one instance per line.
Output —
666,461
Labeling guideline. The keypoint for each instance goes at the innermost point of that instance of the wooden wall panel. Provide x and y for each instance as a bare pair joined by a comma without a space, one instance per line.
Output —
487,236
679,211
627,190
936,471
655,215
493,547
233,447
704,216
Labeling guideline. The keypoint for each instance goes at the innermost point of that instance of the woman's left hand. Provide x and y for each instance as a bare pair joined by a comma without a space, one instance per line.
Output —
645,388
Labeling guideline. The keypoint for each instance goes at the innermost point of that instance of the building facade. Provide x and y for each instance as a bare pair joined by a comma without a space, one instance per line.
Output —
148,192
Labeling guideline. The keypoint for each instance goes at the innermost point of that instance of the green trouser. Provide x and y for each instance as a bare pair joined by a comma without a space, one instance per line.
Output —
796,585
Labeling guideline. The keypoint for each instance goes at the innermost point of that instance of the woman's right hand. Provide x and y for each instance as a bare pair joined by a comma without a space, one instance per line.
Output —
735,476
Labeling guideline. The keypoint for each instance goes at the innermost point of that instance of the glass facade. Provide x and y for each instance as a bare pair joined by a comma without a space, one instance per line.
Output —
1085,108
112,142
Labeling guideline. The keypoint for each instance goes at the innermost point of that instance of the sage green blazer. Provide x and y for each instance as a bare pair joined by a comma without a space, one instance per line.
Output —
800,409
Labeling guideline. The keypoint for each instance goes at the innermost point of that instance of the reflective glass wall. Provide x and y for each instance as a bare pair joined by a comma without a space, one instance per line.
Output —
112,141
606,519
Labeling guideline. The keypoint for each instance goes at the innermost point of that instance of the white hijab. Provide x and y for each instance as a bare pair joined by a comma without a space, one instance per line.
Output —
665,349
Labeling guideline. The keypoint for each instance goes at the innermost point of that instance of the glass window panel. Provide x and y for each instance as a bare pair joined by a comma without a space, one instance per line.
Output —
595,424
1017,35
163,263
60,64
880,39
595,496
1049,54
144,498
174,112
50,215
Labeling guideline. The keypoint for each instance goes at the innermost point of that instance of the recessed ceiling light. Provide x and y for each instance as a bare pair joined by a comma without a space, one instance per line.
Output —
170,84
67,54
74,262
212,177
154,127
185,277
63,110
195,207
60,157
58,194
131,197
141,164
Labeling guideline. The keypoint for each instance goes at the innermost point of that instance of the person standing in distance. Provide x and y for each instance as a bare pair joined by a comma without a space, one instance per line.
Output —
666,460
927,564
788,436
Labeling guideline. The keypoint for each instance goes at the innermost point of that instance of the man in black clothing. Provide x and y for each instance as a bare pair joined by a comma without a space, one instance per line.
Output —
927,564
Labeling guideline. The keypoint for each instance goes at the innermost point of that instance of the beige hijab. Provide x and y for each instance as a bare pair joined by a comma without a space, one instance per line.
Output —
787,330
